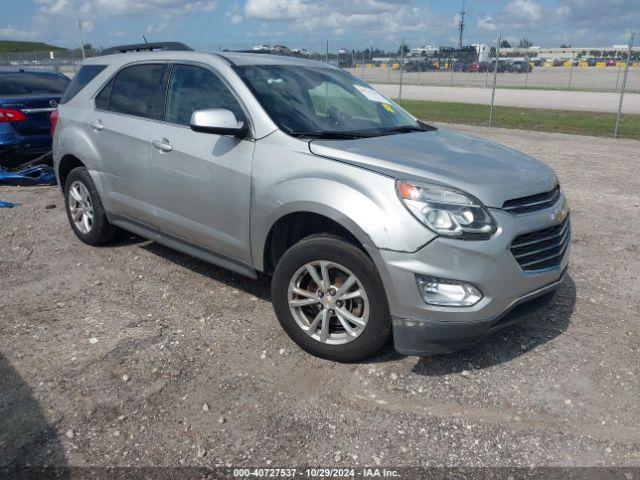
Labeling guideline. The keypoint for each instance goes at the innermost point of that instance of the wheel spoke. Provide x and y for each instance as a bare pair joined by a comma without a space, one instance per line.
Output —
350,295
346,325
324,329
75,194
86,222
84,193
348,283
304,293
314,275
324,270
352,318
316,320
76,213
301,302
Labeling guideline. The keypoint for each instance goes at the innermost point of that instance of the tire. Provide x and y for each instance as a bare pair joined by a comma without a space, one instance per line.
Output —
98,231
342,261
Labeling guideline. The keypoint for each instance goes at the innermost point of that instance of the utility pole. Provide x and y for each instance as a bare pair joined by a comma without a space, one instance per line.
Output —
461,24
327,57
495,77
624,82
401,70
80,27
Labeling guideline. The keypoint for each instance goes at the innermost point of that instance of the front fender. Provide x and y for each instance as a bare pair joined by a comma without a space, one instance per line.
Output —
363,202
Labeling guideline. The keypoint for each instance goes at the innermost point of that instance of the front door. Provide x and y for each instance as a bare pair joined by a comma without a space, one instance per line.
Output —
200,182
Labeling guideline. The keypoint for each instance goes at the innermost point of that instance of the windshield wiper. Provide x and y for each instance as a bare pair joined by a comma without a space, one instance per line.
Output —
405,129
326,135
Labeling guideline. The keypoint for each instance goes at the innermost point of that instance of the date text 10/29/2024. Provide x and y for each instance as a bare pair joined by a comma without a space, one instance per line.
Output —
315,473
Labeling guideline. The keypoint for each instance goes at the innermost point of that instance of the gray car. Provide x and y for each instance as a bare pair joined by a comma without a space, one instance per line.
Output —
370,222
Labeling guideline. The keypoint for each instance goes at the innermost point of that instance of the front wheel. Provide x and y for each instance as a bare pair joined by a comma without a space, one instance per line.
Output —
330,300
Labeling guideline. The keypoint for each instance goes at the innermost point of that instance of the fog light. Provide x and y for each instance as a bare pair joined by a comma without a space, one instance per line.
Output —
448,293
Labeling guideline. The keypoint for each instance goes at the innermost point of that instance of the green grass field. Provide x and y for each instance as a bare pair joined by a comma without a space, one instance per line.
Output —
13,46
559,121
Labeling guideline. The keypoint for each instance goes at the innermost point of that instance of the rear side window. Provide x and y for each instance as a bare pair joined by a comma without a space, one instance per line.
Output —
81,79
27,83
139,90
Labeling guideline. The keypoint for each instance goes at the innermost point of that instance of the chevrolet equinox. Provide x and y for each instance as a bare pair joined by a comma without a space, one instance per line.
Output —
370,222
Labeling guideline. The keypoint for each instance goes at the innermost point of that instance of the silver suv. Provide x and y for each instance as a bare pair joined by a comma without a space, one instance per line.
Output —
369,221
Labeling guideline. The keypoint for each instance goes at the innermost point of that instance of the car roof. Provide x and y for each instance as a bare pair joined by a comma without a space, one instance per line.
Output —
233,58
28,71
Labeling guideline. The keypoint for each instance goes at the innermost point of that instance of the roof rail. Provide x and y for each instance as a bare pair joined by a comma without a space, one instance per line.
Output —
147,47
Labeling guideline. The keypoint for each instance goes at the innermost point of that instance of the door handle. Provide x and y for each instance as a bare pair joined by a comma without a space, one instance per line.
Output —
97,125
163,145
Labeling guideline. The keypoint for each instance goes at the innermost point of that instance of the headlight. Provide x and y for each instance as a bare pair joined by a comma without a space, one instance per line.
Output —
447,211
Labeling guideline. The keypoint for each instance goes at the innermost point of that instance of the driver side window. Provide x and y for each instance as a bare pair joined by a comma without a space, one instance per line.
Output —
194,88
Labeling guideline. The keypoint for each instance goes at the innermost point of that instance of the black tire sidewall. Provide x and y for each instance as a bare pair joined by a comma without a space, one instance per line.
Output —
101,231
334,249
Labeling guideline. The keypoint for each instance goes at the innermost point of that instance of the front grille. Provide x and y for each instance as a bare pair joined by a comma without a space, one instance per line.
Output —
543,248
532,203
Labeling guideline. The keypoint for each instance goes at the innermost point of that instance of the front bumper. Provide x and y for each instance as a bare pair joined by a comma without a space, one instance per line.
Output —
510,294
432,337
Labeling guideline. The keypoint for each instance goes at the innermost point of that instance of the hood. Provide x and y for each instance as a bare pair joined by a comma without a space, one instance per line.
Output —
488,171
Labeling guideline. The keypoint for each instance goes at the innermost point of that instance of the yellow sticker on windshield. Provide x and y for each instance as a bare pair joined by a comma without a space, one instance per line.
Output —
388,107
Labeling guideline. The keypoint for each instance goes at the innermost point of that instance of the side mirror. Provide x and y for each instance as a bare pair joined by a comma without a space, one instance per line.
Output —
219,121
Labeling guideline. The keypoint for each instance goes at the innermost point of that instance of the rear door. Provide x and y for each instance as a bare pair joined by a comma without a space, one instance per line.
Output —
128,112
200,181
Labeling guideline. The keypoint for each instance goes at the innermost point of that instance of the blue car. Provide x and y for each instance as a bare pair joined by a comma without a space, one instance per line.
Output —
27,99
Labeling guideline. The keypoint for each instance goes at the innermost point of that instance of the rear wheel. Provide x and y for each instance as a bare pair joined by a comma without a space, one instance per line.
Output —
329,298
84,209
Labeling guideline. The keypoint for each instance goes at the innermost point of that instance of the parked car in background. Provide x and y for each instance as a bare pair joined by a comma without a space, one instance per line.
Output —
520,66
477,67
611,62
27,98
503,66
367,219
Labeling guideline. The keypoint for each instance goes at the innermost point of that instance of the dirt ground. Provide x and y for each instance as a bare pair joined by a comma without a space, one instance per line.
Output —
135,355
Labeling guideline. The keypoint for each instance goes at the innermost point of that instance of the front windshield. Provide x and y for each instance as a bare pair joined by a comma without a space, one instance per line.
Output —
320,101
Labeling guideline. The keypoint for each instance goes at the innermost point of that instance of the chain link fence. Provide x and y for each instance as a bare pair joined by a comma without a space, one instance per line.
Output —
591,90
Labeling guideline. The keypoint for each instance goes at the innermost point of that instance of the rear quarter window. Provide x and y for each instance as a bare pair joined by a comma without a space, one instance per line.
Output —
81,79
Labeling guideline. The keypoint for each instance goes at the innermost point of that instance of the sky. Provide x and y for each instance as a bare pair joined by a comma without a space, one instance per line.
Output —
351,24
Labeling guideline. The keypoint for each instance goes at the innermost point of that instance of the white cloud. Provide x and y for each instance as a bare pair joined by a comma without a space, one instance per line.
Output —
235,19
12,33
525,10
123,7
517,15
376,17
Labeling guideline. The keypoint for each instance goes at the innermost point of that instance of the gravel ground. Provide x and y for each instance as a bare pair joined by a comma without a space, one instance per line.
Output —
133,354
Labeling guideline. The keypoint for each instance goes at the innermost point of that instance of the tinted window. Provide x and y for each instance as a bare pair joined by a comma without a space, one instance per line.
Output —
102,99
139,90
28,83
81,79
194,88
